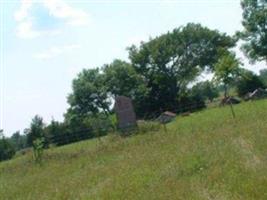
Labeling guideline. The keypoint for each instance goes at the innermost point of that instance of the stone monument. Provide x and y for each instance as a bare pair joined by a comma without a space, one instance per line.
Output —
125,113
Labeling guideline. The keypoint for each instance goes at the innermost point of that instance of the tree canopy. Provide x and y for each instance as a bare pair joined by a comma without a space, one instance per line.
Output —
122,79
207,90
255,29
89,95
171,61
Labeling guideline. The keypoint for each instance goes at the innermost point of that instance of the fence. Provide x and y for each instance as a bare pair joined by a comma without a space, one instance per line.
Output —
84,134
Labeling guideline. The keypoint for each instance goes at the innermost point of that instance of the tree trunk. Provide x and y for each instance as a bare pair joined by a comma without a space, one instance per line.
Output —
225,91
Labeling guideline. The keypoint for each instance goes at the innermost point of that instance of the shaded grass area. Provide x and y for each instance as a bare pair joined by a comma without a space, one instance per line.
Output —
208,155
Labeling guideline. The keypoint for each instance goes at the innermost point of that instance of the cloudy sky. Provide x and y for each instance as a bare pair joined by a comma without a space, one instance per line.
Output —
45,43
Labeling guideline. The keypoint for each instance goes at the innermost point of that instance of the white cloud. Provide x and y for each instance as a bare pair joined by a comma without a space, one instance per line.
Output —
24,30
56,8
60,9
23,12
56,51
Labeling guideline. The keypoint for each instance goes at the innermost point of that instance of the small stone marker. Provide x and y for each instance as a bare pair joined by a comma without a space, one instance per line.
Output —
166,117
125,113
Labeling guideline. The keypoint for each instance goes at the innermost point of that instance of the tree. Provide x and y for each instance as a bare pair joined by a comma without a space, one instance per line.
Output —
173,60
263,76
227,70
206,90
248,82
89,94
122,79
255,29
36,130
53,130
7,151
18,141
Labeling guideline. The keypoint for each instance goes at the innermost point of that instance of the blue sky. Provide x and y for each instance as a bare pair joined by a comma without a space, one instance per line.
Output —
47,42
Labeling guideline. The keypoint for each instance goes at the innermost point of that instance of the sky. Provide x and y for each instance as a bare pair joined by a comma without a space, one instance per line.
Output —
45,43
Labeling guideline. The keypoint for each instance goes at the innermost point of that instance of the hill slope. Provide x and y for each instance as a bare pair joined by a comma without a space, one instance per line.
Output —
207,155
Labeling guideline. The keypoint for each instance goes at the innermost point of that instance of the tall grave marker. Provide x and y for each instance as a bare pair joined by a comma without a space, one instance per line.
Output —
125,113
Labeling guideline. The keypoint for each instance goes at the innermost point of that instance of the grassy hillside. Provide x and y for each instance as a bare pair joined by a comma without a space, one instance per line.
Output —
207,155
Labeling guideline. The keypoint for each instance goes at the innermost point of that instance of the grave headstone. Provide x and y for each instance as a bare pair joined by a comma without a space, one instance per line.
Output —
125,113
166,117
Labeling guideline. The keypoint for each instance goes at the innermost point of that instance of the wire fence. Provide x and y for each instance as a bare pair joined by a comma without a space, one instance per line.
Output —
71,136
89,133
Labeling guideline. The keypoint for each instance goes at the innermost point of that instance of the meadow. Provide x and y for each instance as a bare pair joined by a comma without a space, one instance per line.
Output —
207,155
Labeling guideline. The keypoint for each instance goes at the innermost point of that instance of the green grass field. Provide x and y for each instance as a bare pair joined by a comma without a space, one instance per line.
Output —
208,155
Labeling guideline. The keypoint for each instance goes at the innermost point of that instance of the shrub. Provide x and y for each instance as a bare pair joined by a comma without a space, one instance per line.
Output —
248,83
38,148
7,151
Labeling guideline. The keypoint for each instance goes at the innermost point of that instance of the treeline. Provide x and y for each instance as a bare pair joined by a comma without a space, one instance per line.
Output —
161,74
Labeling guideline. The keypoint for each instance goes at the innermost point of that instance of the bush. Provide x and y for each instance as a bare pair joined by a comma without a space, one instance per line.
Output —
205,90
38,149
191,102
248,83
263,76
78,129
7,151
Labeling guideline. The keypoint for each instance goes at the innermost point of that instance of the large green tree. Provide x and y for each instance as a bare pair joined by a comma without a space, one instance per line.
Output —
168,63
255,29
122,79
89,96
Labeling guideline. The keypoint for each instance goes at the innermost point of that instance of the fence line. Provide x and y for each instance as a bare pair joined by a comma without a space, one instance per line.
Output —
88,133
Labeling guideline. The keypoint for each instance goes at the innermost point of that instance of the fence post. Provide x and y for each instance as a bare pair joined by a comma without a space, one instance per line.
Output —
232,109
165,128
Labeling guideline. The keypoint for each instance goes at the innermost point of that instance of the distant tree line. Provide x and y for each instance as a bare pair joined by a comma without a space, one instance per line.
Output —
161,74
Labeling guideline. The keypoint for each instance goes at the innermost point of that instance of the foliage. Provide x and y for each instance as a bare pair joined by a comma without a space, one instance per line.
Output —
36,130
263,76
248,82
122,79
227,70
66,133
100,125
156,79
254,34
206,90
173,60
73,131
7,151
191,101
18,141
89,94
38,149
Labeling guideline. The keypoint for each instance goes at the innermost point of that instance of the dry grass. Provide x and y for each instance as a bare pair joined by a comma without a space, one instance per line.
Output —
207,155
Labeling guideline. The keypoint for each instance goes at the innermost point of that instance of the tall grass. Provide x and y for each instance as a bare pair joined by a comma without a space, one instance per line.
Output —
208,155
